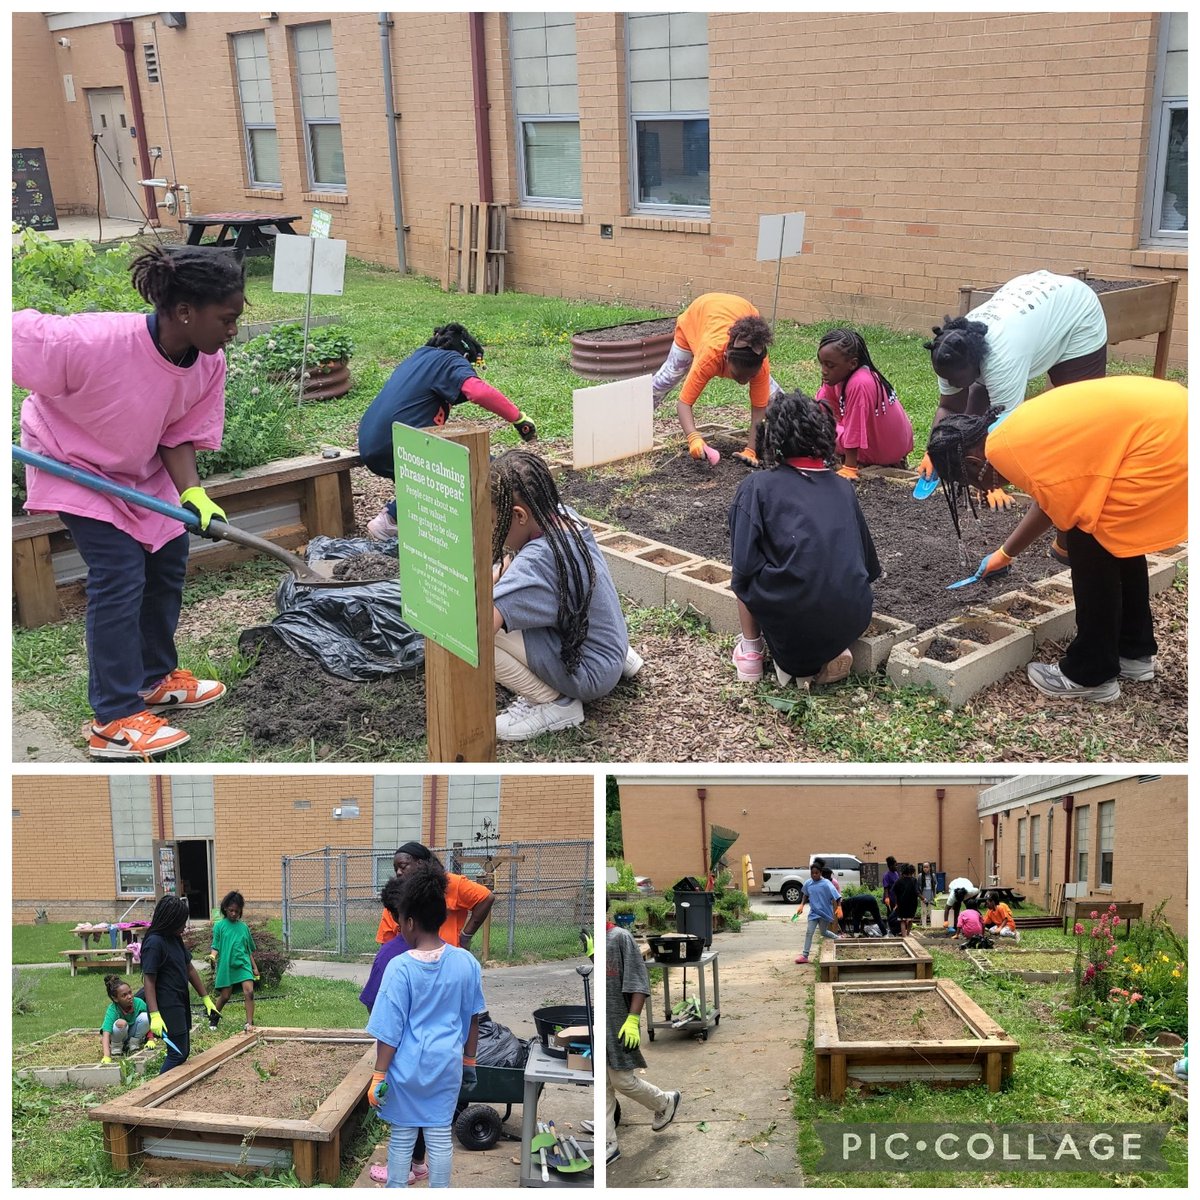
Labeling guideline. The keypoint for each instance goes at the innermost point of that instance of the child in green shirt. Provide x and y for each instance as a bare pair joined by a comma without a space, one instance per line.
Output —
232,956
126,1022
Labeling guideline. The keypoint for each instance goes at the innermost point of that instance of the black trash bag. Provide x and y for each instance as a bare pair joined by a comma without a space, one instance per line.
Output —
498,1046
355,633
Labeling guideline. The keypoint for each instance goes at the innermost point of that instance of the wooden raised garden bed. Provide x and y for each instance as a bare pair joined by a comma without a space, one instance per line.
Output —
1033,966
852,960
264,1100
929,1031
288,501
1133,308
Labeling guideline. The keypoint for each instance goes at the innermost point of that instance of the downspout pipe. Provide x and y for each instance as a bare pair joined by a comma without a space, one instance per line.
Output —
483,135
385,50
433,801
996,844
1068,806
702,796
123,34
162,814
941,799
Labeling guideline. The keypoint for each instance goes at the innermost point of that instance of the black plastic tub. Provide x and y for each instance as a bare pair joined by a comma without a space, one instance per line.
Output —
676,947
549,1021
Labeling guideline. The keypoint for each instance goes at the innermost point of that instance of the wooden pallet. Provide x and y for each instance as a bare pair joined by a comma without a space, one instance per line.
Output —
475,248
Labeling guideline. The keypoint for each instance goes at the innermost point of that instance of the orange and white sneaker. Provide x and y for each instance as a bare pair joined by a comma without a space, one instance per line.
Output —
181,689
142,735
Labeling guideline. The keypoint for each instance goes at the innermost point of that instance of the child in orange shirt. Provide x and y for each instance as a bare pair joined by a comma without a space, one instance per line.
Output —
718,335
999,919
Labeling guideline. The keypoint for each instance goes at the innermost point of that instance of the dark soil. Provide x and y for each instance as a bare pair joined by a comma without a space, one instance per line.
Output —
981,635
943,650
899,1016
1022,610
369,568
686,504
299,1078
634,331
1114,285
285,700
871,951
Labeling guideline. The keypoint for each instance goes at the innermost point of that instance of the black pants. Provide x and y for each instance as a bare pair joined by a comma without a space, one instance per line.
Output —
179,1025
1112,611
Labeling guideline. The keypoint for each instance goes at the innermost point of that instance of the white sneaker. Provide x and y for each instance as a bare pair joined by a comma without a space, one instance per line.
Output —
381,527
633,663
1138,669
1050,681
521,720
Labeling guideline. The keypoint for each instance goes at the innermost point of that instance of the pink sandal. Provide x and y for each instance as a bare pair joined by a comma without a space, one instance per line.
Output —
378,1172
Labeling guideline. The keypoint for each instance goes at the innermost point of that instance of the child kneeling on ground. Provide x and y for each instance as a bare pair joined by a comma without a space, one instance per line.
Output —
561,638
126,1024
426,1024
803,559
999,920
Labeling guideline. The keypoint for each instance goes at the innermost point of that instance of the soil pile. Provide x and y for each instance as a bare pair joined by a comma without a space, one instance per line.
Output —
366,568
685,504
635,329
273,1079
898,1016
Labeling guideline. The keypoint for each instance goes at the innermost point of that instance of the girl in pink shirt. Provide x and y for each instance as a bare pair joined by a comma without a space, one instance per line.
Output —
132,397
872,427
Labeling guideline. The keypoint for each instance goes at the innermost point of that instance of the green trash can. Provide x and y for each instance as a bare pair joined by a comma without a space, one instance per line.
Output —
693,910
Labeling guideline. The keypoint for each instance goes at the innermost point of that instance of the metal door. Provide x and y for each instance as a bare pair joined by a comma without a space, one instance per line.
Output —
116,150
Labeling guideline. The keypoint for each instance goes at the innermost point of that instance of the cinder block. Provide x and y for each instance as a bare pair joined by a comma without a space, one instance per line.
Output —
1162,573
640,567
704,586
1050,621
870,652
1176,554
87,1075
977,666
599,528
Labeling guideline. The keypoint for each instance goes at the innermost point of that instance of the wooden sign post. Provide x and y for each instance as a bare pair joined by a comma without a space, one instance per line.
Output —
448,592
488,879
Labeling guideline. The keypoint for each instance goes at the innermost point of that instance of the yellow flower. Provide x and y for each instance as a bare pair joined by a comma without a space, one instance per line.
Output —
1137,968
1175,975
1166,958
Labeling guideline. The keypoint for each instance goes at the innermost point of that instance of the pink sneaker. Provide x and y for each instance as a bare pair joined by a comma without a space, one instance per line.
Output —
417,1172
748,658
802,958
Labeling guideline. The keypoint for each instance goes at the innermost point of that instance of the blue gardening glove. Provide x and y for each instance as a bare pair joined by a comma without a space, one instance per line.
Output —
630,1033
470,1078
525,427
994,563
377,1090
196,500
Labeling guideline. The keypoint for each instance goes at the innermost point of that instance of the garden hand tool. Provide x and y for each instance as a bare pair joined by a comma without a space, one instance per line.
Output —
573,1164
305,574
538,1146
992,567
584,1163
928,481
585,972
558,1156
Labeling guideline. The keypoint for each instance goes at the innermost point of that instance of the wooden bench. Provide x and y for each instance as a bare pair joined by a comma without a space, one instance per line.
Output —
297,497
86,960
1074,910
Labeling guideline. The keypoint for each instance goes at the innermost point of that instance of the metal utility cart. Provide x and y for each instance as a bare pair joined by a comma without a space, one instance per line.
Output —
541,1069
701,1025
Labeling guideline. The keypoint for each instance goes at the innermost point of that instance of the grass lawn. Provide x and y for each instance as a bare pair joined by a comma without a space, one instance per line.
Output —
1059,1077
54,1143
687,706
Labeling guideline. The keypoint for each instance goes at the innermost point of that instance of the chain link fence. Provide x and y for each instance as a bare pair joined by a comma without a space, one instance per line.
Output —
543,897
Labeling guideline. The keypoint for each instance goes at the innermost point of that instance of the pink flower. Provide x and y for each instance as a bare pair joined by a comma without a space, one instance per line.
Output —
1135,997
1094,914
1111,951
1089,974
1112,908
1078,928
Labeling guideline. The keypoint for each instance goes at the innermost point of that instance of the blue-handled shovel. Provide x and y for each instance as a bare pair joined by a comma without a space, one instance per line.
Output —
305,574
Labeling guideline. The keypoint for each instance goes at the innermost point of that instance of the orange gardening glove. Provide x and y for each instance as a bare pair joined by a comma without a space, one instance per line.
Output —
848,472
747,456
378,1089
999,560
696,446
926,469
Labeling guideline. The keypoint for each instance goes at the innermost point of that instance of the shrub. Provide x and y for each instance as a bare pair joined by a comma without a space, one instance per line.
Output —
626,880
24,985
658,913
271,956
71,277
281,350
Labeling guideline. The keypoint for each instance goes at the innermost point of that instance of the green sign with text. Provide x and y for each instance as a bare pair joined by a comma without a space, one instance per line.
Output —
435,540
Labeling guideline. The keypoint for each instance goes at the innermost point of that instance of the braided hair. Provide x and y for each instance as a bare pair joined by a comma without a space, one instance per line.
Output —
757,335
169,275
518,476
958,345
421,895
457,338
949,442
111,985
850,342
233,898
169,917
795,426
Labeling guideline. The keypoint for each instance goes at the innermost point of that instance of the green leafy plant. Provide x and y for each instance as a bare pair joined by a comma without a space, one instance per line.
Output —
71,277
24,986
281,350
658,913
261,1071
626,880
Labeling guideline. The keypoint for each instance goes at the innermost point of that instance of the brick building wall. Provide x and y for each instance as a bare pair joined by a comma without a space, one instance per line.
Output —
1149,843
928,150
257,820
782,823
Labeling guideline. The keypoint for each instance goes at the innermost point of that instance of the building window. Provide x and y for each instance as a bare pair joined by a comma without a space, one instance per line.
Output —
258,109
1106,815
192,809
1167,178
1083,821
1035,847
668,109
319,105
135,876
1021,848
546,103
470,800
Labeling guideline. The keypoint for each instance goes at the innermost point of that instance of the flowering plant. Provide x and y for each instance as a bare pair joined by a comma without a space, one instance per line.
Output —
281,350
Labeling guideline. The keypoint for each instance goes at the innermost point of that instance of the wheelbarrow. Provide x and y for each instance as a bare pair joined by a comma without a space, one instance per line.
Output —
305,574
477,1125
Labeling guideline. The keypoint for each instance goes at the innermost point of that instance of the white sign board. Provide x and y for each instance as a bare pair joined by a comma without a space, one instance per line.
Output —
612,421
302,263
1073,891
780,235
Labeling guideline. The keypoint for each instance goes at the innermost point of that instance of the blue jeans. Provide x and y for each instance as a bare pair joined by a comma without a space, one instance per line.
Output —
814,923
134,598
400,1148
123,1031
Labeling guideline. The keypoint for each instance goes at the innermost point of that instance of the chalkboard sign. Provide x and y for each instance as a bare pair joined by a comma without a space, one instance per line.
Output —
870,875
33,202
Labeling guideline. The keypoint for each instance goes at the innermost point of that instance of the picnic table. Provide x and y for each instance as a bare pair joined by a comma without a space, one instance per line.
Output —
249,233
85,960
1007,895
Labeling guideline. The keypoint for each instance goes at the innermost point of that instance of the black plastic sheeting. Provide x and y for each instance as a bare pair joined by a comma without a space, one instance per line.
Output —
355,633
498,1046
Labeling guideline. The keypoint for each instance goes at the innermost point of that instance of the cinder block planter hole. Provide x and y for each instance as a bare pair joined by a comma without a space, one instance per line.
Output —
870,652
72,1058
853,960
961,658
1033,966
225,1109
640,567
704,587
1050,622
881,1034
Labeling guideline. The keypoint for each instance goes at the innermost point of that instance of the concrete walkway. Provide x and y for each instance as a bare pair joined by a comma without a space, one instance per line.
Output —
85,229
736,1083
35,738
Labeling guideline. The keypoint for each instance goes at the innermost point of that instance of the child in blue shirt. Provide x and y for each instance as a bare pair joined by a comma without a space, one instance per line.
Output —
822,899
426,1024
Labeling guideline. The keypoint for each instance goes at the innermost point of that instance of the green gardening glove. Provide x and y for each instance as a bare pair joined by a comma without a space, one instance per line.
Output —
525,427
631,1033
209,1005
105,1061
158,1026
196,500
